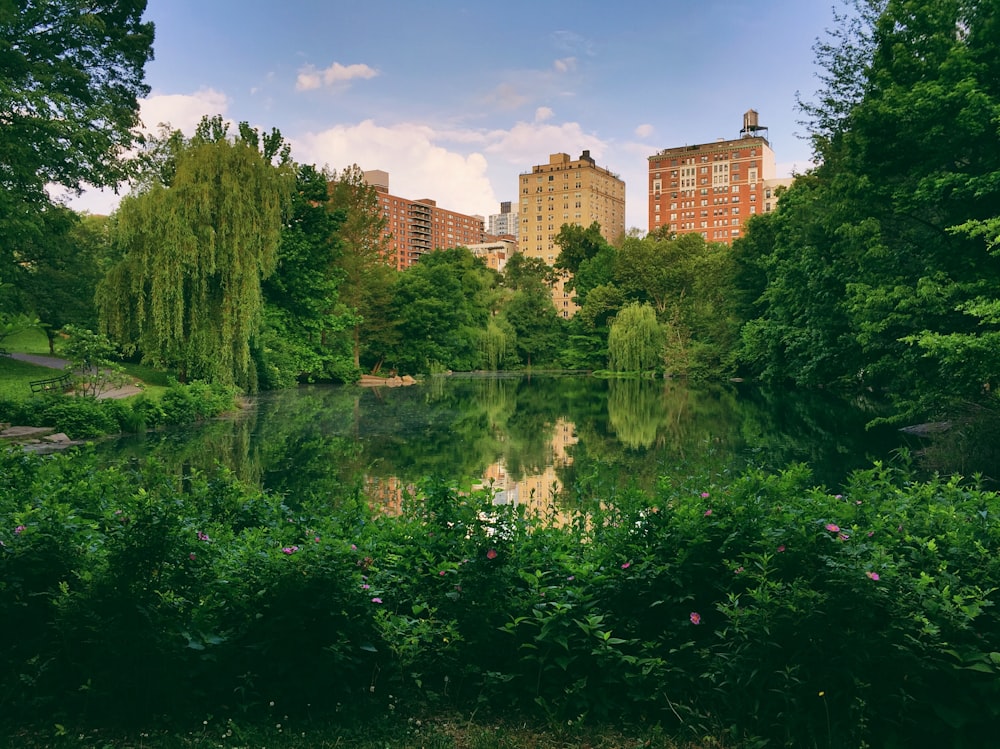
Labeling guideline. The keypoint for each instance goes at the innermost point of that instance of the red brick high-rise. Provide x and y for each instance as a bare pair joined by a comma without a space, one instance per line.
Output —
416,227
713,188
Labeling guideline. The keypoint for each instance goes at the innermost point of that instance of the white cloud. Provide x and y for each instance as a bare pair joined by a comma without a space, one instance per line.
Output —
543,113
418,167
181,111
527,143
644,130
565,65
178,111
310,78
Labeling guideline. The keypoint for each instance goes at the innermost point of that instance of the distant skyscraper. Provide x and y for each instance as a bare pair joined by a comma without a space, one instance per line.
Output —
504,222
417,227
567,192
713,188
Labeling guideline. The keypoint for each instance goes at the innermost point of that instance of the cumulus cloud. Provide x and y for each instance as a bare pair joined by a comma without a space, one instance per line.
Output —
529,143
644,131
418,166
181,111
565,65
310,78
543,113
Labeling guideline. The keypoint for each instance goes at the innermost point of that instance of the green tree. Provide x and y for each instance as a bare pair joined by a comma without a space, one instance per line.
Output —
443,309
94,362
364,259
305,323
71,74
60,268
187,293
635,341
874,277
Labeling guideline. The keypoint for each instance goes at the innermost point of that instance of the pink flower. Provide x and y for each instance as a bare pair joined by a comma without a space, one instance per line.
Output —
708,512
191,556
738,570
695,617
833,527
626,565
441,573
781,548
316,539
20,529
871,533
203,536
366,586
354,547
705,495
844,536
873,576
376,600
290,550
838,496
491,554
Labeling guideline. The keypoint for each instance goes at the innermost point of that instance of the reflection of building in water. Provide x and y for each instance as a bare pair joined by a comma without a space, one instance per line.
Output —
385,494
535,491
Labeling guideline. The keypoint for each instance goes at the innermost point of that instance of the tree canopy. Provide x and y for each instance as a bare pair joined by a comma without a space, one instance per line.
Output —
187,293
879,266
71,74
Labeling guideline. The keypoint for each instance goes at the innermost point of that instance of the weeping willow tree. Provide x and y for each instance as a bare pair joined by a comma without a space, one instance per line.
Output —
495,344
635,340
197,242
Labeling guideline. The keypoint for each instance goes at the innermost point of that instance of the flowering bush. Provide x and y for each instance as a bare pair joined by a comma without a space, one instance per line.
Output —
786,614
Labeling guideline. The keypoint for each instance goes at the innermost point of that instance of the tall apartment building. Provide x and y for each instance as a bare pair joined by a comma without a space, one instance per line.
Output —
567,192
504,222
713,188
416,227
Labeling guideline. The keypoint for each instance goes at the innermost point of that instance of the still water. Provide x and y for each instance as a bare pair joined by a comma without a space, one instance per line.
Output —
531,438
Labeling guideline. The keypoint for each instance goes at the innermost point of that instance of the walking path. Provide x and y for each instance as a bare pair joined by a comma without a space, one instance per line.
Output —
53,362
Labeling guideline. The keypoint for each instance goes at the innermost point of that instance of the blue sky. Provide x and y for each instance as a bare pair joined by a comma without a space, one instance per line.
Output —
455,98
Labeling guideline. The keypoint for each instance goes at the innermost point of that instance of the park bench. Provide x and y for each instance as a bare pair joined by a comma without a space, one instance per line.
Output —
63,382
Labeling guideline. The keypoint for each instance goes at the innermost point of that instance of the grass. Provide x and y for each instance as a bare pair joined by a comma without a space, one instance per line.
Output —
441,732
32,341
15,376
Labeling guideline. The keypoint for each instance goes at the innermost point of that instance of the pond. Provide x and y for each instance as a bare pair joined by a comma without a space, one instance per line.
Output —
533,439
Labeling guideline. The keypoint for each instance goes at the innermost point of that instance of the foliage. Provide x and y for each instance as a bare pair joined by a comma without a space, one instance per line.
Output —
797,616
84,418
71,75
303,337
877,269
187,293
442,308
93,361
635,342
365,264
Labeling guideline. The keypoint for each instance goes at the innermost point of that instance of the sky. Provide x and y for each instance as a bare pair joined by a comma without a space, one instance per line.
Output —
456,98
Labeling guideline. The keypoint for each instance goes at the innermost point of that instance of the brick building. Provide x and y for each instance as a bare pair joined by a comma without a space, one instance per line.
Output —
416,227
713,188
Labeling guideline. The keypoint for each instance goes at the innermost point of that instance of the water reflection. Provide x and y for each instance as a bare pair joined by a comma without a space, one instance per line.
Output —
571,438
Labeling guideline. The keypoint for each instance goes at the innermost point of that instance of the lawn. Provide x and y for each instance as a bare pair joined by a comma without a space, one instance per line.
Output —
15,376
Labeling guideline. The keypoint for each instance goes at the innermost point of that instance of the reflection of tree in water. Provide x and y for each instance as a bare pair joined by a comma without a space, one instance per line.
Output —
324,443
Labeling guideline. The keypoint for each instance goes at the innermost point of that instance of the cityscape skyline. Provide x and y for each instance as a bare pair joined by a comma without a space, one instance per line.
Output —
456,100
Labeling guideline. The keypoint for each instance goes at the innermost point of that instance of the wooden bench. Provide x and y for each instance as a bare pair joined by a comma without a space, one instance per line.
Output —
63,382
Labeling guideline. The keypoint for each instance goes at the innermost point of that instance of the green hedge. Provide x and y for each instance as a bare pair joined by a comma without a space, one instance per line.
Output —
83,418
767,611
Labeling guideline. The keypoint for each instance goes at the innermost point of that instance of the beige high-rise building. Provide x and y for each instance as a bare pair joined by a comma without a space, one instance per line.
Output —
567,192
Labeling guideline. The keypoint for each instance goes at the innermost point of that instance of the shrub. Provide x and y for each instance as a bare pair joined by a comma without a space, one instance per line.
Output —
768,609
